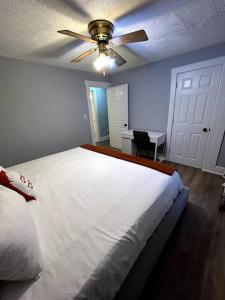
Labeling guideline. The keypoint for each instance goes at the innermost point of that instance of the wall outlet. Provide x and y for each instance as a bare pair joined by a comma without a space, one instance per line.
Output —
85,116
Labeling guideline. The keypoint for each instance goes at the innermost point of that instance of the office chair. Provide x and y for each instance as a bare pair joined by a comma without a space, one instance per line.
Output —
142,142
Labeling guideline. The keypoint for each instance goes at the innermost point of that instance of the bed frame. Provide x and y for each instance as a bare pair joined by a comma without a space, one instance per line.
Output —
136,279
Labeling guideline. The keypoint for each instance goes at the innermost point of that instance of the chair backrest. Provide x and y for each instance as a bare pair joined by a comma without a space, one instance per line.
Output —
141,139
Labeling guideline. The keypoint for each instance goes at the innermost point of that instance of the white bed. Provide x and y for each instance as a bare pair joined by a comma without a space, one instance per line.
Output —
94,214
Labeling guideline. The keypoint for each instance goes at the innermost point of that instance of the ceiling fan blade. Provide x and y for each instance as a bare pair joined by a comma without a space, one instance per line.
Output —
119,60
77,36
83,55
132,37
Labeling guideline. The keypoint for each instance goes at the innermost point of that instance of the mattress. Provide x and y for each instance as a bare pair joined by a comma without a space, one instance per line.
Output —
93,214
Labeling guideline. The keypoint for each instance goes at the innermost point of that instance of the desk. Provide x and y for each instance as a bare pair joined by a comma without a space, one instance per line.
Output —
128,146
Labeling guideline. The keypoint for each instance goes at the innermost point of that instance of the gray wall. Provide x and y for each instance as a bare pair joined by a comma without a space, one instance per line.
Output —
149,88
101,110
42,107
41,110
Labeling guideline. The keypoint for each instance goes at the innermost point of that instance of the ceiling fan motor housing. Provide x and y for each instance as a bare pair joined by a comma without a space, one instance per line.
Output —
101,30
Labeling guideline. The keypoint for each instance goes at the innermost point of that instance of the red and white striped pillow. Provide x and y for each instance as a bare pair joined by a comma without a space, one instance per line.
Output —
17,183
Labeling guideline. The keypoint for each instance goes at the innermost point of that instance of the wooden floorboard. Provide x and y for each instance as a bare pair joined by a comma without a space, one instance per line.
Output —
192,265
106,144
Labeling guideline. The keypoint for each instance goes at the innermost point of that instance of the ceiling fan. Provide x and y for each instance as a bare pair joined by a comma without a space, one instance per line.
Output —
101,32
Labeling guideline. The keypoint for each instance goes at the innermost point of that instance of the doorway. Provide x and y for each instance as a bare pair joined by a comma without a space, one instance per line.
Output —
98,111
108,113
99,108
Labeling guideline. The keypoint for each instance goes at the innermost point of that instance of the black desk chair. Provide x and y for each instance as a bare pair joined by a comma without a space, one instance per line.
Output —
142,142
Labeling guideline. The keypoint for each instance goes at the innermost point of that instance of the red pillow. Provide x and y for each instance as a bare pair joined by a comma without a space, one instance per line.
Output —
17,183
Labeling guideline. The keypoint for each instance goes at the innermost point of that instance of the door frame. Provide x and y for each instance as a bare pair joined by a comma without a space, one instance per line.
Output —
95,115
98,84
214,137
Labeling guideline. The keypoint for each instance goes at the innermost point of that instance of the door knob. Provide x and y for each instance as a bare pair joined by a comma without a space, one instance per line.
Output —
125,125
205,129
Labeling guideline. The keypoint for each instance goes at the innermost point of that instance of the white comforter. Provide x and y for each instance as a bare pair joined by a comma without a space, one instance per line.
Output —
93,214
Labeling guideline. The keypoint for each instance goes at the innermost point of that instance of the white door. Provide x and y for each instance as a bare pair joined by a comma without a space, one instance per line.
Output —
195,102
117,98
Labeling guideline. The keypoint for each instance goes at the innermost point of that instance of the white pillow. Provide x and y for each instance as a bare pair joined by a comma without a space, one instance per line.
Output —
20,256
18,183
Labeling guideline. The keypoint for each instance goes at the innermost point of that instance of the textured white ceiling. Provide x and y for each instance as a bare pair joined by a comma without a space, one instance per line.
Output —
28,28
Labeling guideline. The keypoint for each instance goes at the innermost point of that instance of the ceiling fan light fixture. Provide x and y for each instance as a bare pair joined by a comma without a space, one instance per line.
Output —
101,34
103,62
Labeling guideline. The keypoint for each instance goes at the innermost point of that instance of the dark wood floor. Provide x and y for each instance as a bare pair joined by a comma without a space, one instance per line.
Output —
192,265
106,144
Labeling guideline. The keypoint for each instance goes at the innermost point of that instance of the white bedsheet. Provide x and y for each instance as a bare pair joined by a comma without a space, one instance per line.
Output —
93,215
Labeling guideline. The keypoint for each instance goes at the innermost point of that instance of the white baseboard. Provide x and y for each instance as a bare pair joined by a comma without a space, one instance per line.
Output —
220,171
104,138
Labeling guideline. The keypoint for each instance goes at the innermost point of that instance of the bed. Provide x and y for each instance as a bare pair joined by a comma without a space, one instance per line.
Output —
98,219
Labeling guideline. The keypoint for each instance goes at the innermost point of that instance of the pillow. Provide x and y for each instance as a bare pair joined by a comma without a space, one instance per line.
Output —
20,256
17,183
